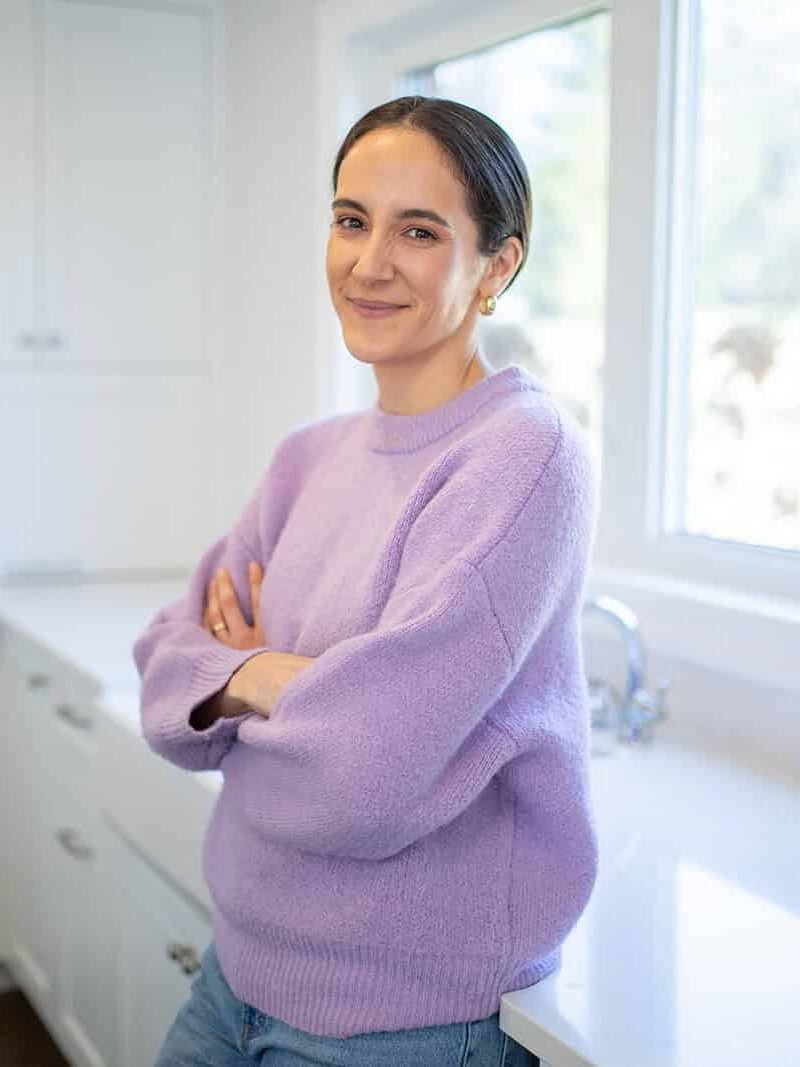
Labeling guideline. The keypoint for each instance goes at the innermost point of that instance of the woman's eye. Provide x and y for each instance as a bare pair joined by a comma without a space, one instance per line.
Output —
347,222
421,234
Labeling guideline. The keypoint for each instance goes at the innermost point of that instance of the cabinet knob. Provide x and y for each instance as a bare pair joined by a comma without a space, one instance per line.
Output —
190,964
71,715
185,955
28,339
70,839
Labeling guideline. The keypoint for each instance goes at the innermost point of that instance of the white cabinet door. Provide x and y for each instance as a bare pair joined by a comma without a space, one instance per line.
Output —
162,936
17,193
109,301
33,923
126,184
103,942
60,918
86,964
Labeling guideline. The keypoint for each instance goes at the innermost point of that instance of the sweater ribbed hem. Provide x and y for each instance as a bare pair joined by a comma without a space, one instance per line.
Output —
343,990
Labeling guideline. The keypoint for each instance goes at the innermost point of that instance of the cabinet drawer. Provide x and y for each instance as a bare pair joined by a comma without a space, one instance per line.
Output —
63,697
30,653
161,939
81,892
147,798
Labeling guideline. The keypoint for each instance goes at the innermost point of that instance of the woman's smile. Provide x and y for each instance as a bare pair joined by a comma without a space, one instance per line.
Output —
375,309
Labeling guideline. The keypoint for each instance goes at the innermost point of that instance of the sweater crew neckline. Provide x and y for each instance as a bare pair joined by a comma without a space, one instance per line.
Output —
407,433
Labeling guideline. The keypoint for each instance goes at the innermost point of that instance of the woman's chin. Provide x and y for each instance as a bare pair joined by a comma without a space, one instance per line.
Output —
370,353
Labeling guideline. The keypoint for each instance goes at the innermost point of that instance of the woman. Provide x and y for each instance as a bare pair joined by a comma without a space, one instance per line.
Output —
383,654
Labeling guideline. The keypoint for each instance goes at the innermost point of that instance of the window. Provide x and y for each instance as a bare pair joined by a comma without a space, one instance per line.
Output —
736,275
549,91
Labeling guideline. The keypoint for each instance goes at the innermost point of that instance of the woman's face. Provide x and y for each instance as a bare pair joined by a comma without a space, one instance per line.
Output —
403,263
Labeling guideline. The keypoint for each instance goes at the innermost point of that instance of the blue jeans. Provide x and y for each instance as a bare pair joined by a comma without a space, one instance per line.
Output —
216,1029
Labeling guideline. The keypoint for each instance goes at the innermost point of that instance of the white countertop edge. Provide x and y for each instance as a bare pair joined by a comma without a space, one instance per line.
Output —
515,1022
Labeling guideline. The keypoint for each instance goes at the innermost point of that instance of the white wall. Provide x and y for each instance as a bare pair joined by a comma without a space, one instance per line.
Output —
274,255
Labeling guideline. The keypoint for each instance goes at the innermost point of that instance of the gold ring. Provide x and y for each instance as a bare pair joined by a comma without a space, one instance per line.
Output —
219,626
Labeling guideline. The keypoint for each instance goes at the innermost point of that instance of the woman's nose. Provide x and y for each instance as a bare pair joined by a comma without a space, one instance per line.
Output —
374,262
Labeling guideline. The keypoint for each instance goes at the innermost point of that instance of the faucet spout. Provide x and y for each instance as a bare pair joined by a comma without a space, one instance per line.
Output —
638,710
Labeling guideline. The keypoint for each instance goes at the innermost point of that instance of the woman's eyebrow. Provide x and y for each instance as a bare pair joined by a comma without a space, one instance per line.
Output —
407,213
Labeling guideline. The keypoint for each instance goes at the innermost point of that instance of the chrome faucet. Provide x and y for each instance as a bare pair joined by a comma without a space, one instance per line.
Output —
634,715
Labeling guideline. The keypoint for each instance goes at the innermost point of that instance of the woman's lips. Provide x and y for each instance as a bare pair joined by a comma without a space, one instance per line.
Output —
375,309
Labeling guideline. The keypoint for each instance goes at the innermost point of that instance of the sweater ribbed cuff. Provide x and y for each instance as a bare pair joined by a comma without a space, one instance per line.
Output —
210,673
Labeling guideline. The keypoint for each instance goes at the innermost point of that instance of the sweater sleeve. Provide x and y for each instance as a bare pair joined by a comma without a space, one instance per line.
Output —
391,734
179,662
181,665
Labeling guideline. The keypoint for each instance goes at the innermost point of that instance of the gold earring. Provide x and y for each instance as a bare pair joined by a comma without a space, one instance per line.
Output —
488,305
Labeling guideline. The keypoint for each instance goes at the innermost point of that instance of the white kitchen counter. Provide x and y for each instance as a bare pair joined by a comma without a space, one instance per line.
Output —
91,625
688,954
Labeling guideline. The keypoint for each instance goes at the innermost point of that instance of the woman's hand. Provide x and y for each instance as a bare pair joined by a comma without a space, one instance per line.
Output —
260,680
222,605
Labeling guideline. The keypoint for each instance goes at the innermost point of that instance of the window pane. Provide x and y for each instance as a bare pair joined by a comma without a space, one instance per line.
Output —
549,91
742,462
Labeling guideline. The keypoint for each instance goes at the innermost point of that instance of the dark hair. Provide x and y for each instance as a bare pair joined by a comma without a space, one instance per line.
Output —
483,157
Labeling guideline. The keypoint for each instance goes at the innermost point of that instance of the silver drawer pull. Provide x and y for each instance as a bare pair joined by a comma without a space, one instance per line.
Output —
37,680
71,840
185,955
70,714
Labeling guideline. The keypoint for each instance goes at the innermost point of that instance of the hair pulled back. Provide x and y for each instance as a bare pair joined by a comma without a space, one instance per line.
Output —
482,155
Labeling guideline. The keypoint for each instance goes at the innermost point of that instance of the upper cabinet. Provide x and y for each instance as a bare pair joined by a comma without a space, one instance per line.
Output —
108,162
109,301
125,175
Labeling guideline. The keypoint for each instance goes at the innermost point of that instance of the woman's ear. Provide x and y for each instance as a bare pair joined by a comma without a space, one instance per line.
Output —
502,267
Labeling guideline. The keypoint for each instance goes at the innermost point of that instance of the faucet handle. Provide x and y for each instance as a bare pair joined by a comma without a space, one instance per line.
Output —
637,722
604,702
644,710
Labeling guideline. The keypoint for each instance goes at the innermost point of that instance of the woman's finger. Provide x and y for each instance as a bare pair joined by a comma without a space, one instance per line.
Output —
208,622
229,605
255,575
215,612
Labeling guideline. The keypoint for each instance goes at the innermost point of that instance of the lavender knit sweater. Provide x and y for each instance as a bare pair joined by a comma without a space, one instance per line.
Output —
410,834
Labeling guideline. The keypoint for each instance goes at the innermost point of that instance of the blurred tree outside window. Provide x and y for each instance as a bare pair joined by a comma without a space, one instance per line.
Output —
741,463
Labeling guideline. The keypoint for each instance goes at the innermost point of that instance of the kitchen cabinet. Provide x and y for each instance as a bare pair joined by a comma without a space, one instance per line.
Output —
59,922
84,1008
109,315
102,941
161,936
32,922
